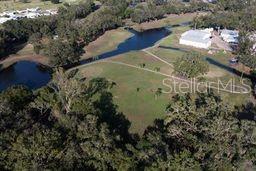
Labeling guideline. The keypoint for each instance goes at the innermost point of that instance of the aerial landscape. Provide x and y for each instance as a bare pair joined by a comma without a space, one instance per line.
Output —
127,85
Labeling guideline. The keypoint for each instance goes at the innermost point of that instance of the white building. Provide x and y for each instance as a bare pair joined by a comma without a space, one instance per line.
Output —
28,13
230,36
197,38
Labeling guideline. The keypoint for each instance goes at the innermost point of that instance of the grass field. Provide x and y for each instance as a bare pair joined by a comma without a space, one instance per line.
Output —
143,106
135,90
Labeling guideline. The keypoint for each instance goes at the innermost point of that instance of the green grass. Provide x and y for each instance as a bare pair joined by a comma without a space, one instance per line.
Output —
142,107
174,50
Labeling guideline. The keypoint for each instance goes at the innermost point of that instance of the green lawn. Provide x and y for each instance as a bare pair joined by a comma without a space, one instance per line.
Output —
141,107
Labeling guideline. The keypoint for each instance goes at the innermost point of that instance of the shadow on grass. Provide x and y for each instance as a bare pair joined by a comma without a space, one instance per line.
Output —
173,48
234,71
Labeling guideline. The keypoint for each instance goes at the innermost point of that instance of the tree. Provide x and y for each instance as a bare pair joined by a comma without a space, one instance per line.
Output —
147,12
197,133
55,1
63,53
158,92
47,130
246,51
35,40
191,65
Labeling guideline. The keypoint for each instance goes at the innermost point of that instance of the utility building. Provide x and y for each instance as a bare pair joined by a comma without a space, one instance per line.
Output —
197,38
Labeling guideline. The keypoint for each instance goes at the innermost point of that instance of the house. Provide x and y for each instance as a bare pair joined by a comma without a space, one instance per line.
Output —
230,36
197,38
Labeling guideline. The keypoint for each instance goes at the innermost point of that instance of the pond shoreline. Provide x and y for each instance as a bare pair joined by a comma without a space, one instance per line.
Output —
12,59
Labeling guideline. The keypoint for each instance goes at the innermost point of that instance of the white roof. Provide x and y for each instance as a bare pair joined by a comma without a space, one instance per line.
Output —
29,13
196,36
226,32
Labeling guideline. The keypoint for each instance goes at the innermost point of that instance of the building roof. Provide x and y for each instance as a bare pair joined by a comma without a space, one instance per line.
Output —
230,33
196,36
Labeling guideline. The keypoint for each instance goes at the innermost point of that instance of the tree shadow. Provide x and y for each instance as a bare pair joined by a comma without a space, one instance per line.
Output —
246,112
228,68
233,71
173,48
13,49
117,121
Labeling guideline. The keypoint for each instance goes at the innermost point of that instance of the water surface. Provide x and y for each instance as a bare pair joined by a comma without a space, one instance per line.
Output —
25,73
138,41
30,74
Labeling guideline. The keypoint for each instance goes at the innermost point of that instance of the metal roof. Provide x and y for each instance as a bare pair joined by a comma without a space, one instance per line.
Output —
196,36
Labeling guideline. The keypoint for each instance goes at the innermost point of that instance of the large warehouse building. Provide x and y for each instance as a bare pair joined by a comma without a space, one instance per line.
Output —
197,38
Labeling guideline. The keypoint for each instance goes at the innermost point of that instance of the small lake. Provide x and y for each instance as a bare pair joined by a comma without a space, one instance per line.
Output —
33,76
25,73
138,41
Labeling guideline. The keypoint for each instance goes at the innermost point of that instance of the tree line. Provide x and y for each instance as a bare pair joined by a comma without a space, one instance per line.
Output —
72,124
78,24
154,9
73,27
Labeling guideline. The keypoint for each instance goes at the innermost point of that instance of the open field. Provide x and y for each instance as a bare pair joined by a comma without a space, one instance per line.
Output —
136,86
135,89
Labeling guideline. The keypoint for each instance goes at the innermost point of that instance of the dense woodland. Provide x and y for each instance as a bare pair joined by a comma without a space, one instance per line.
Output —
73,124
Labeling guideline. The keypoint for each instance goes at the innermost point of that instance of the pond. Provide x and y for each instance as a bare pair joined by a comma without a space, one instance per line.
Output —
138,41
25,73
33,76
